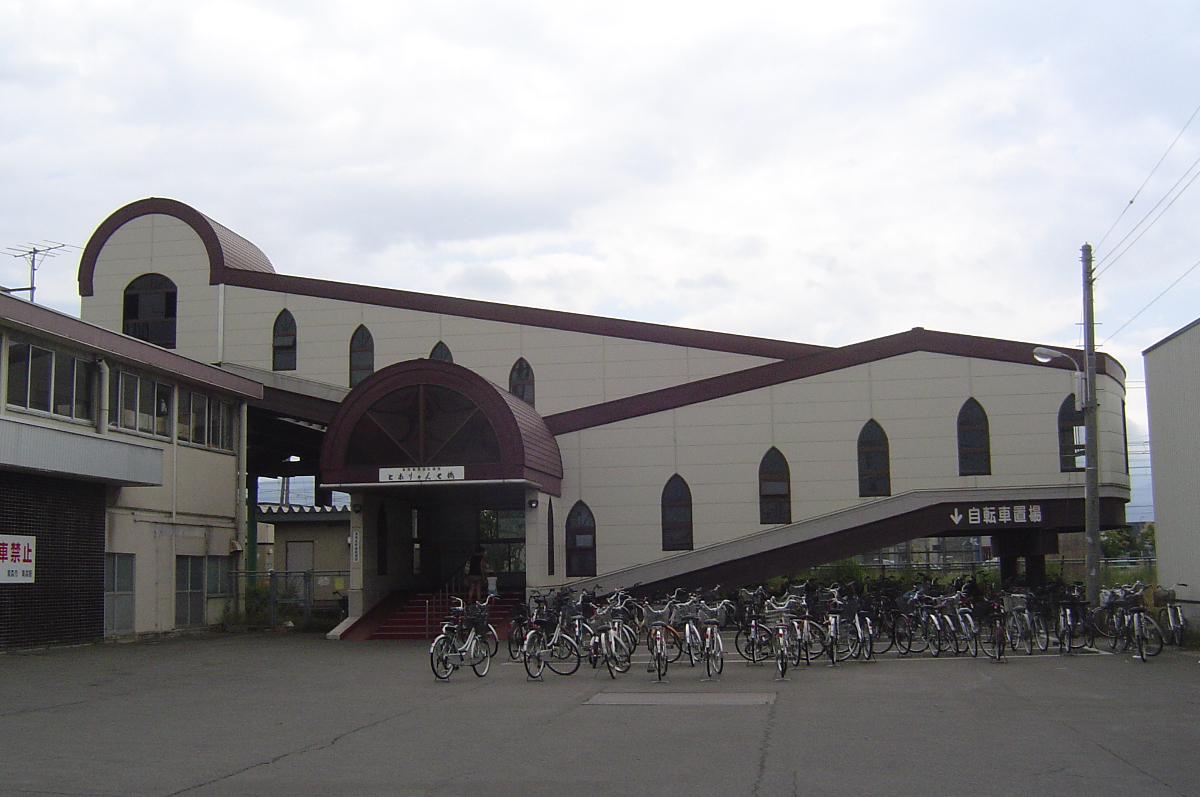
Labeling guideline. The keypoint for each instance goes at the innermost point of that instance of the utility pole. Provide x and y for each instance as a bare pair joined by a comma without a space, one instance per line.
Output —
1091,422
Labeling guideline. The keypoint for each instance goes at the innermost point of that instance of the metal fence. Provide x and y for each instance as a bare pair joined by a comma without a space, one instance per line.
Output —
1112,571
276,597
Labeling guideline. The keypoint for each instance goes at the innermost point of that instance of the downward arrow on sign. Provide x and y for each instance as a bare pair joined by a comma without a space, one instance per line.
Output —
956,517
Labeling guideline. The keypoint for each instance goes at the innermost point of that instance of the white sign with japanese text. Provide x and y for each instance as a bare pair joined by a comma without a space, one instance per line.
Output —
1002,515
17,556
429,473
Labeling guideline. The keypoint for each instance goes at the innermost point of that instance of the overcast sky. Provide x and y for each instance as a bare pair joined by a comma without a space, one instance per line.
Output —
825,173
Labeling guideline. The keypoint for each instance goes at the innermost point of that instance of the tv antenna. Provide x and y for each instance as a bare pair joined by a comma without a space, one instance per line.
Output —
34,254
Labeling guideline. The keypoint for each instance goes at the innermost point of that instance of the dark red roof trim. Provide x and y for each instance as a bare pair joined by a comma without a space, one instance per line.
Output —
43,320
823,362
527,449
226,249
527,316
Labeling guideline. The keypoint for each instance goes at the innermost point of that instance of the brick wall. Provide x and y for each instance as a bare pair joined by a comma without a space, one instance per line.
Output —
65,604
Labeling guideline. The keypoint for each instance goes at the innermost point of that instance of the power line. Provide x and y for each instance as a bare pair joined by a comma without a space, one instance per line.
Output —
1147,180
1152,301
1115,258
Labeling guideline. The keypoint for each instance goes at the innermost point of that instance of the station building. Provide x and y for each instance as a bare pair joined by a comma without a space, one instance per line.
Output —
576,449
580,450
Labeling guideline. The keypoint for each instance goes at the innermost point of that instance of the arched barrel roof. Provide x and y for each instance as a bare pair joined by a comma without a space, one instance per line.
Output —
373,428
226,249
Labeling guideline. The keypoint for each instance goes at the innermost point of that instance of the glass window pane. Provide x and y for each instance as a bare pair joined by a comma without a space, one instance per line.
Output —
199,418
129,390
162,409
41,362
214,423
114,397
227,414
64,384
183,425
124,572
145,405
18,374
85,380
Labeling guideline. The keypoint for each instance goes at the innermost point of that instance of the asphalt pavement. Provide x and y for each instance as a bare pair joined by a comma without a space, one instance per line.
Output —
295,714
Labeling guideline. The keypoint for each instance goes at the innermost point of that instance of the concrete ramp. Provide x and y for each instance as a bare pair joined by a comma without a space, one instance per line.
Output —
1043,511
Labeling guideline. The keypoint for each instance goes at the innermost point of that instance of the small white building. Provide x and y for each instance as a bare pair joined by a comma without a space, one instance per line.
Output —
580,449
1172,366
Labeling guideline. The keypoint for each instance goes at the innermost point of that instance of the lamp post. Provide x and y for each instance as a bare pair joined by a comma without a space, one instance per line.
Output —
1090,406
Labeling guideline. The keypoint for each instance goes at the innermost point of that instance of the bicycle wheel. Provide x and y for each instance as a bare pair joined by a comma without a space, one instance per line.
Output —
1039,633
781,660
970,630
1152,636
1104,623
534,653
692,643
492,639
918,642
902,634
660,662
564,656
933,636
481,657
884,636
844,642
516,637
622,655
439,657
673,644
997,636
715,660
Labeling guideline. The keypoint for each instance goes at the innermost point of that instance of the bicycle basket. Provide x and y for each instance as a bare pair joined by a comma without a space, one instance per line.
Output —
1162,596
1014,602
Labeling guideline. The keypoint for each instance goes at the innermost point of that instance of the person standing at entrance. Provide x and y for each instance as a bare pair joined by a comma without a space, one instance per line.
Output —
477,573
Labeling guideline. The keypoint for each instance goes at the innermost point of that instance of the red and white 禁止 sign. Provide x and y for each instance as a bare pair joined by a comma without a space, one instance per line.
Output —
17,554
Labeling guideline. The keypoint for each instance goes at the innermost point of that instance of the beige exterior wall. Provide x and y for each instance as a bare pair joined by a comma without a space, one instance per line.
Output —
1174,403
620,470
572,369
158,244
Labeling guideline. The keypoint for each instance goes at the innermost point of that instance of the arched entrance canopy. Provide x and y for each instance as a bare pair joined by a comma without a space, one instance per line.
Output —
425,421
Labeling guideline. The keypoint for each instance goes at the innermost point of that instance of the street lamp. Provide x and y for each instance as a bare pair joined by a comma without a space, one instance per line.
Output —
1085,392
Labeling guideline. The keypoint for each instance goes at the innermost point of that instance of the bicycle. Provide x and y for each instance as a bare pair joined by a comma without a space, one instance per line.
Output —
1133,625
1170,617
461,643
547,646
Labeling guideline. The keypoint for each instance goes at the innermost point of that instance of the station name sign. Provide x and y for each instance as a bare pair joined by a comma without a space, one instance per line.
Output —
999,515
17,556
430,473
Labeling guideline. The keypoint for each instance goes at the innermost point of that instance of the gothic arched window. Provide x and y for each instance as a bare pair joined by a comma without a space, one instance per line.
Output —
676,515
974,440
283,342
520,381
874,464
581,541
774,488
362,355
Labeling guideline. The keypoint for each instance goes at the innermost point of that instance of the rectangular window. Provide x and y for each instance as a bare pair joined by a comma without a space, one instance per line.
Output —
199,419
18,374
118,593
129,397
41,364
64,384
114,398
162,409
189,591
227,414
219,576
85,381
145,408
214,423
183,424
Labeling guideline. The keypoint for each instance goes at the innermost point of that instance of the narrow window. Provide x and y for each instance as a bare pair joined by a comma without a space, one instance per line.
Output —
974,440
41,365
581,541
676,515
549,537
774,488
1125,436
283,343
520,381
64,384
1072,454
362,355
874,466
149,310
18,374
441,352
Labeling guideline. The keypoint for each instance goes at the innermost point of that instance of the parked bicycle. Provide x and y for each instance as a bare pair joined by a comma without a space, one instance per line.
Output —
462,642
